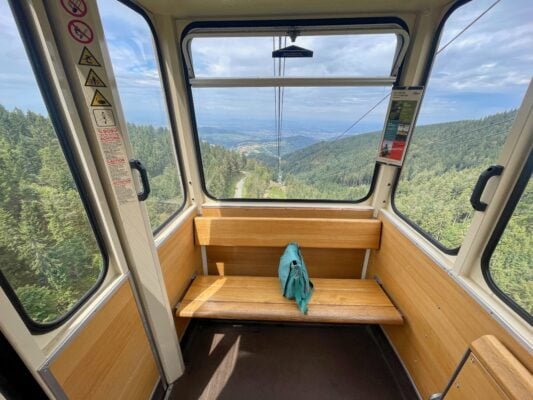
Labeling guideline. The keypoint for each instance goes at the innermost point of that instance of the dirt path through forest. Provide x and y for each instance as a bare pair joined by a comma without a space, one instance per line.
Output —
239,186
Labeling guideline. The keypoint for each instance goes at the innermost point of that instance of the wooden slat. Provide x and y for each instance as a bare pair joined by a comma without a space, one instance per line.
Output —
289,212
441,318
260,298
277,232
263,261
474,383
512,377
111,357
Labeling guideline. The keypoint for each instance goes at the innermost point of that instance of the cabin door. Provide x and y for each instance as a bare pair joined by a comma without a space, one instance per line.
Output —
82,298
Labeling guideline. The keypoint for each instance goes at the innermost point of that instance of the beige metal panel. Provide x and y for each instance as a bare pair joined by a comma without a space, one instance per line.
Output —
35,349
284,8
129,215
168,39
518,145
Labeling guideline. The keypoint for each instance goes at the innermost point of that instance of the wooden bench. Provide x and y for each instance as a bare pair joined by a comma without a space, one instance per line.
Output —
259,298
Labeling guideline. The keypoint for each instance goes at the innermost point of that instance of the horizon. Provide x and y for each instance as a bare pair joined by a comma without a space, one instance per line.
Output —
297,134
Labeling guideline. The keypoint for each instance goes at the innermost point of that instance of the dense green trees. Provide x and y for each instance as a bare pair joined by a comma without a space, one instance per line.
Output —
441,169
222,169
48,251
511,264
50,256
154,148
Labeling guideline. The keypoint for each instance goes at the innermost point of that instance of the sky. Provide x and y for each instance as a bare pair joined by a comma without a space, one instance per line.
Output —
485,71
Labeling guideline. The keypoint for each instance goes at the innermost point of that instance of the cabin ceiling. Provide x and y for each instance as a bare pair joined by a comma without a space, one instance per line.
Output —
267,8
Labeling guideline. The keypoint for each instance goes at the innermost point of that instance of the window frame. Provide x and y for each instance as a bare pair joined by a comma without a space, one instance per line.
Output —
425,78
499,229
165,85
47,91
223,28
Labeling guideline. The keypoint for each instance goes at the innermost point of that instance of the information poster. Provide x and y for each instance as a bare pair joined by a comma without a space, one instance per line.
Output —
403,108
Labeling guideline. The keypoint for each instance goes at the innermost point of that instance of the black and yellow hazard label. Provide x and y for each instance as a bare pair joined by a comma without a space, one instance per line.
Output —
87,58
94,80
99,100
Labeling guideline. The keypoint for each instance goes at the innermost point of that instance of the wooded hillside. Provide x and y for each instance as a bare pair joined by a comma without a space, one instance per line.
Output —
49,254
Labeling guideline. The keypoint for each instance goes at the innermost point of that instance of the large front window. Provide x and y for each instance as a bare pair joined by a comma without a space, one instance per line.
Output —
299,128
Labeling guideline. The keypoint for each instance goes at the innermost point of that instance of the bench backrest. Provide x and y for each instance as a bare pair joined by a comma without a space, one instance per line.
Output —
277,232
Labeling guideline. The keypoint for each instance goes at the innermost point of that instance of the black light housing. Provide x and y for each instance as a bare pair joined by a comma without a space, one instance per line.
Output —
292,52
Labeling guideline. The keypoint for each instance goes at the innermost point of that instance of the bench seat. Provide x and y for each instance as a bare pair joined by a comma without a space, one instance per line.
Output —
353,301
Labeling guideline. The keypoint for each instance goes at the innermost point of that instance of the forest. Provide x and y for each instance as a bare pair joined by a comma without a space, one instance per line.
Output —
51,258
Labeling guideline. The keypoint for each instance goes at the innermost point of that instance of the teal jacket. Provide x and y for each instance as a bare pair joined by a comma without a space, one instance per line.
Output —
295,283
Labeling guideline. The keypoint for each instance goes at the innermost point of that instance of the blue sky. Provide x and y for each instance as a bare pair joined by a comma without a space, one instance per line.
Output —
485,71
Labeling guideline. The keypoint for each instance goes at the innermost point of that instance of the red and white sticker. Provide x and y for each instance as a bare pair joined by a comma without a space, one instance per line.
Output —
76,8
80,31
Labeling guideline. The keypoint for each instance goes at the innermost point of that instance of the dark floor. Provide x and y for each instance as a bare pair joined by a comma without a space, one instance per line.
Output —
263,361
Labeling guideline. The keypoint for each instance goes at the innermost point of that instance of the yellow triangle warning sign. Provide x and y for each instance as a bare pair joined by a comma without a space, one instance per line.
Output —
94,80
87,58
99,100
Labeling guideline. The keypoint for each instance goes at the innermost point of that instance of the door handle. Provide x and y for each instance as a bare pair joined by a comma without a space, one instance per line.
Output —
136,164
484,177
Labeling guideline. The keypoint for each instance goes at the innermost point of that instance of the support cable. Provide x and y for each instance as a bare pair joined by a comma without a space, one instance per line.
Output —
442,48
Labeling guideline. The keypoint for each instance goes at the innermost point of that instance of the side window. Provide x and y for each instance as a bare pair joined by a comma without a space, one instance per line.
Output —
50,257
478,81
508,259
135,65
294,128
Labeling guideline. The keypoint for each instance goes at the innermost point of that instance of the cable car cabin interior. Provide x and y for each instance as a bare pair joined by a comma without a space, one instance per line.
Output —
266,200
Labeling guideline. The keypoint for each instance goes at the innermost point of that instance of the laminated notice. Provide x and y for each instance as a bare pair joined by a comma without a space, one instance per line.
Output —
117,162
403,109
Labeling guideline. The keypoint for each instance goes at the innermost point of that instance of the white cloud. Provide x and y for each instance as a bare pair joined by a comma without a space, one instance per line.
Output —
486,69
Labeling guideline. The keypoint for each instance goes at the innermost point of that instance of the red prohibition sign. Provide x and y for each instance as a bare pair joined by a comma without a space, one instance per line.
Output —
76,8
80,31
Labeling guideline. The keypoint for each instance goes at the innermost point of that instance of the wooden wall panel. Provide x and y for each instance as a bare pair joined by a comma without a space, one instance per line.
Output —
111,357
180,258
264,261
441,319
278,212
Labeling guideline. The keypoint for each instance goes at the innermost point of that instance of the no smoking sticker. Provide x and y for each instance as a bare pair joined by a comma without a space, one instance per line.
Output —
80,31
76,8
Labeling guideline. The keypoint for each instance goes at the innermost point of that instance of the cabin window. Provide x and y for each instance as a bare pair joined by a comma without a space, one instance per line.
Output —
508,258
135,66
51,258
478,81
291,128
